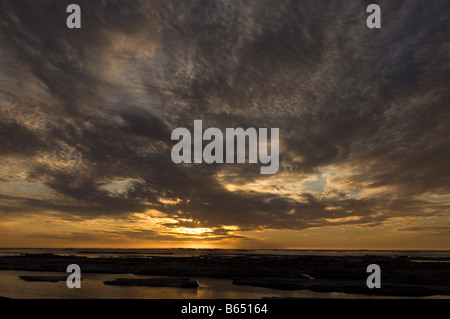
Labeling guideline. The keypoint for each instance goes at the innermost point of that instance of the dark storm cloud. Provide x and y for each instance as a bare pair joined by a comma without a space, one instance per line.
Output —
12,136
106,97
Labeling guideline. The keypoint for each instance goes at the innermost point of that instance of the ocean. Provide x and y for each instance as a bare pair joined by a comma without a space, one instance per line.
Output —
190,252
92,287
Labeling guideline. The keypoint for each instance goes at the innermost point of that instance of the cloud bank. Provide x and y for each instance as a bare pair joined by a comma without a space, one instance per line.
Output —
86,115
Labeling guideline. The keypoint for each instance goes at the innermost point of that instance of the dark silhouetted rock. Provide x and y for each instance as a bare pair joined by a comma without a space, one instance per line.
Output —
44,278
274,283
154,282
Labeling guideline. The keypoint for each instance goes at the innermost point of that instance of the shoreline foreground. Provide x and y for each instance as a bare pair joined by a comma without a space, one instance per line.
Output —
400,276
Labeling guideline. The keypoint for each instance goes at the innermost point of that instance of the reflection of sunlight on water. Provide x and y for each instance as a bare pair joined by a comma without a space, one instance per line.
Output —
92,287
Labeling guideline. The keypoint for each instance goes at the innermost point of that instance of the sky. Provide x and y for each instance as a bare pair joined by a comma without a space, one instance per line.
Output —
86,117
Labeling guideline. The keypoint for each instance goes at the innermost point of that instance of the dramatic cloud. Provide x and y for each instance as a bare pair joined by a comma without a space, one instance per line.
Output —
86,114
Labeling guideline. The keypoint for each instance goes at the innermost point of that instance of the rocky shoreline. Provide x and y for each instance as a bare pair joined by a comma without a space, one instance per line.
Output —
401,276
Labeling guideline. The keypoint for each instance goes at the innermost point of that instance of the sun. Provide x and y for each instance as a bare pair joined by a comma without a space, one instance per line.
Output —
193,231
